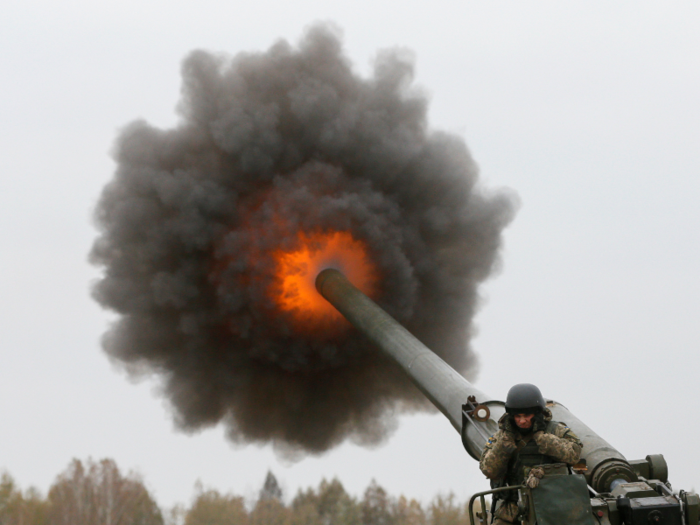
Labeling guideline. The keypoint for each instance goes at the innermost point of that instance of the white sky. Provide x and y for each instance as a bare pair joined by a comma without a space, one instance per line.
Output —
588,110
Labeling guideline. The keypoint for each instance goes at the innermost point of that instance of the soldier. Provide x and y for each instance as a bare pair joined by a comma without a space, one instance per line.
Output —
527,437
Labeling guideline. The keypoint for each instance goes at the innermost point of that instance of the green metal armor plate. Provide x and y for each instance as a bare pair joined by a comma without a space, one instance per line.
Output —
560,500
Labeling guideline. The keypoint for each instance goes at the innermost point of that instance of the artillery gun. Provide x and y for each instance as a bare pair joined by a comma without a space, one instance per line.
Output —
604,488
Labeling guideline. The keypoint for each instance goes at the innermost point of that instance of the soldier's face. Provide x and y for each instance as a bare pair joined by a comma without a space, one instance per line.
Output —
523,421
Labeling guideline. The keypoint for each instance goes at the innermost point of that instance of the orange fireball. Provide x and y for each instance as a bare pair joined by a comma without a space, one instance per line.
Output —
294,290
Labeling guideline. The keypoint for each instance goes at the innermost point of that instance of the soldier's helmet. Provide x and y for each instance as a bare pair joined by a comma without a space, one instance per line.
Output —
524,398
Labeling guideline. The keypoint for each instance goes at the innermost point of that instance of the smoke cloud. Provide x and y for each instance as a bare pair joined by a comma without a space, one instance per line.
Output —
270,144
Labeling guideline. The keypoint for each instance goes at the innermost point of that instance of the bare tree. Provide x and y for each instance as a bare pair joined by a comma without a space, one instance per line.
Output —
212,508
270,512
16,508
446,510
98,494
409,512
376,506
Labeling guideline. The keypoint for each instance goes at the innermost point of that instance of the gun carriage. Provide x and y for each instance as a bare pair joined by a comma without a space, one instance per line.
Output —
604,488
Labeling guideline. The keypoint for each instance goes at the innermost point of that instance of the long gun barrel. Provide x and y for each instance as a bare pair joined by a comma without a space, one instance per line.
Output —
449,391
440,383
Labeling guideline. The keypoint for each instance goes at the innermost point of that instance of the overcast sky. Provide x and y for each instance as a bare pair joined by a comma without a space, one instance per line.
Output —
588,111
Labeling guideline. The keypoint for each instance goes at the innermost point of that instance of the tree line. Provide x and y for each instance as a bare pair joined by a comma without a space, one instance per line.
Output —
98,493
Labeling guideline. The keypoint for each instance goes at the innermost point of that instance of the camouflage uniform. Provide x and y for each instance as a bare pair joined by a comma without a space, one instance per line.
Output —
500,460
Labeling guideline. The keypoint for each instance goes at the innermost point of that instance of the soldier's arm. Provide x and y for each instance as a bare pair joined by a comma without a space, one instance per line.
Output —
496,454
563,445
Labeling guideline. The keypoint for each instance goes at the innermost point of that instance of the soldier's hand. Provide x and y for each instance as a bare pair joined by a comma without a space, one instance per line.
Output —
538,423
533,480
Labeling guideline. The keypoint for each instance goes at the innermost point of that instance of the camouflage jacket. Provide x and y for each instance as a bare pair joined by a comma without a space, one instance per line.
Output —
558,443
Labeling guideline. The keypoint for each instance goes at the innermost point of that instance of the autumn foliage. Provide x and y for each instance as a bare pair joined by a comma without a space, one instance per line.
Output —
98,493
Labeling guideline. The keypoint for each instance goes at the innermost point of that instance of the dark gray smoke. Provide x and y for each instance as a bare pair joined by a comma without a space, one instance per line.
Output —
269,144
